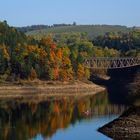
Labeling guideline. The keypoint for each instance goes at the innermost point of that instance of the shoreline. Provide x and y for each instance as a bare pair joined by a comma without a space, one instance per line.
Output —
49,90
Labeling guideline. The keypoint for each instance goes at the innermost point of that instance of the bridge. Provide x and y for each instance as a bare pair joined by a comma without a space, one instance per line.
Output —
111,62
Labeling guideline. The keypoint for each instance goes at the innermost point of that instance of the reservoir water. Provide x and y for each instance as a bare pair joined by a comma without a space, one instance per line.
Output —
64,118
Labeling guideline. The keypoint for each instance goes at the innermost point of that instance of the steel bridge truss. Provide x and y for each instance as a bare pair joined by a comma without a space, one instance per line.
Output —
111,62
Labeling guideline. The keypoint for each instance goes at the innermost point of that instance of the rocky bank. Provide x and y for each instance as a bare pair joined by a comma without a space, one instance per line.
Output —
127,126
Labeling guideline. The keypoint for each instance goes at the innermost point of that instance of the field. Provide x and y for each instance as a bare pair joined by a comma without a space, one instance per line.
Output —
91,30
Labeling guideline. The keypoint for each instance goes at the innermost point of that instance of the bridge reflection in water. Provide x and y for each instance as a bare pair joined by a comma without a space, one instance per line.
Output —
25,120
111,62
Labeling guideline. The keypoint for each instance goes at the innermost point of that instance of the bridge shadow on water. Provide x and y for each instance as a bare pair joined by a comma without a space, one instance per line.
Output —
118,86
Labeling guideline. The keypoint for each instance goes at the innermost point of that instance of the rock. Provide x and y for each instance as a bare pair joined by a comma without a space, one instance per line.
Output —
127,126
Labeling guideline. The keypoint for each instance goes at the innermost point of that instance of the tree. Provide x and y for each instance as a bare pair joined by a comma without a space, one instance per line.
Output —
33,74
4,59
80,72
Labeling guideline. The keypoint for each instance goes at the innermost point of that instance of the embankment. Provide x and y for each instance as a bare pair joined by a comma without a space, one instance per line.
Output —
44,89
127,126
123,85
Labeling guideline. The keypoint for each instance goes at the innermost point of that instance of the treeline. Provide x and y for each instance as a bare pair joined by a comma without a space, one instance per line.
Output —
51,58
40,27
32,28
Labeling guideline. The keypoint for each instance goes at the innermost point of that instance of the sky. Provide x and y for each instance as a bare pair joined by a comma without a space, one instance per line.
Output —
48,12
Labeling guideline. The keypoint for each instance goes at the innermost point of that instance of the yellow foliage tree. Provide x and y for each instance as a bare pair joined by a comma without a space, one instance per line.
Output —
80,72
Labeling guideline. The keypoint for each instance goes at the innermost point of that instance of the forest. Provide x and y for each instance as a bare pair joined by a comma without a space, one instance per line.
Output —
58,56
127,43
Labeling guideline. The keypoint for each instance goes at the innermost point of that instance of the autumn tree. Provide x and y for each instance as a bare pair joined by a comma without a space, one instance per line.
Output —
33,74
80,72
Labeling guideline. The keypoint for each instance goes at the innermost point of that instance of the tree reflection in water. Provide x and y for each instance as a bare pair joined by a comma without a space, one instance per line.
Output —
24,120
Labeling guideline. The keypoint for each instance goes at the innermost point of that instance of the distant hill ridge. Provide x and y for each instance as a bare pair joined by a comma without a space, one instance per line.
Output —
92,31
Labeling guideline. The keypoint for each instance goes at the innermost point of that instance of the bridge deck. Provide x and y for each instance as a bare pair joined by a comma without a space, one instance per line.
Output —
111,62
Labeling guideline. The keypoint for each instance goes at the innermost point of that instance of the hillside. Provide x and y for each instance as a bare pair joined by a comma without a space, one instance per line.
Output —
23,57
91,30
61,58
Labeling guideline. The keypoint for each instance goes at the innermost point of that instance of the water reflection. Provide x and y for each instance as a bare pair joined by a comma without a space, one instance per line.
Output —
25,120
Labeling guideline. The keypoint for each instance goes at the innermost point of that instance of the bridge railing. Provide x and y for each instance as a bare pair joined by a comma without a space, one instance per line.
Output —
111,62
